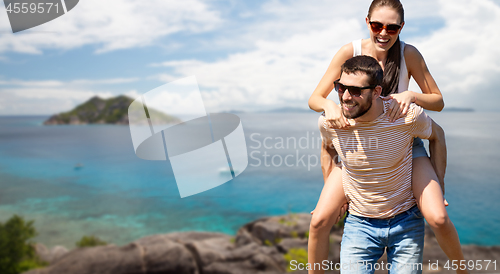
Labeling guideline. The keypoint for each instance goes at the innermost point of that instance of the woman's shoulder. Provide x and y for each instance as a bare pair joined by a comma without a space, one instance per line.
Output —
349,49
365,43
346,50
414,60
411,53
344,53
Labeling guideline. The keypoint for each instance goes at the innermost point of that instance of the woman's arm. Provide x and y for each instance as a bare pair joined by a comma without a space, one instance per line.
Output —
430,98
318,101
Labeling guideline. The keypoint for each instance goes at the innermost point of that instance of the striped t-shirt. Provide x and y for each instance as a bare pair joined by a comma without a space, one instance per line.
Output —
377,161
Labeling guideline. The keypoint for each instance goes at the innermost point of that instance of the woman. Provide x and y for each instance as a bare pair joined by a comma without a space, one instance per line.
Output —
400,62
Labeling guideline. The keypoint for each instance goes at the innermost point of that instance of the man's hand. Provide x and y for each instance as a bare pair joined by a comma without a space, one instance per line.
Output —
342,212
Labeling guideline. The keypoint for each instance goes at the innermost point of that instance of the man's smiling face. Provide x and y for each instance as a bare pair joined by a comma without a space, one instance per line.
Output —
355,106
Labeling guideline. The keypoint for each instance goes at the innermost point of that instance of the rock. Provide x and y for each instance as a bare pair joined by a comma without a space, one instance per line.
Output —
216,253
57,252
273,229
218,259
158,255
188,237
162,255
244,237
42,252
259,247
35,271
286,244
189,252
52,255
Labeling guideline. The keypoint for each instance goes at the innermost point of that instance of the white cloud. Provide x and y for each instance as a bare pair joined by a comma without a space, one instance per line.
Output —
46,83
51,96
105,81
294,45
278,53
17,101
464,56
111,25
422,9
291,50
55,83
55,94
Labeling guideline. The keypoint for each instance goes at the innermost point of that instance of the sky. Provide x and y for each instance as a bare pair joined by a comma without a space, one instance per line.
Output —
246,55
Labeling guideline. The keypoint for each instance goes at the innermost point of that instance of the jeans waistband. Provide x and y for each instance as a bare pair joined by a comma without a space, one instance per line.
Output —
402,214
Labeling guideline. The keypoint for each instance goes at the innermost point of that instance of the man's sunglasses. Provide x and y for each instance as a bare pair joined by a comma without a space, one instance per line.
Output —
378,27
354,91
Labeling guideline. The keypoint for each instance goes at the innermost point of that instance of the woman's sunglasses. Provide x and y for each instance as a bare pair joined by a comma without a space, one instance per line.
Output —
378,27
354,91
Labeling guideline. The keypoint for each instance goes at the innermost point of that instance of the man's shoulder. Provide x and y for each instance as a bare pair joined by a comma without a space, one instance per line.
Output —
414,111
322,124
322,120
325,129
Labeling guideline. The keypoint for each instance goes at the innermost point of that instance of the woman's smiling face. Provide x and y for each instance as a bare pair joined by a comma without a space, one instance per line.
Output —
387,16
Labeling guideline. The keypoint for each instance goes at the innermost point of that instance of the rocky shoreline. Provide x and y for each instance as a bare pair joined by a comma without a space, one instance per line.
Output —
264,246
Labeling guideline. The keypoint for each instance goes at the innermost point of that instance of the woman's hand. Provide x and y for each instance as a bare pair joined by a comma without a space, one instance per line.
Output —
400,104
334,116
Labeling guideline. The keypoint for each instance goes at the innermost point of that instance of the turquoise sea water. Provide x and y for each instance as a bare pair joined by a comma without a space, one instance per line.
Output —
120,198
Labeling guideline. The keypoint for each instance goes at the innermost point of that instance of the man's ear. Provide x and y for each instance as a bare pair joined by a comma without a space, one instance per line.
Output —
367,22
377,92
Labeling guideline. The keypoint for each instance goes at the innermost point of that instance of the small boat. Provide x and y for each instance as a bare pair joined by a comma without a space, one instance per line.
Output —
78,166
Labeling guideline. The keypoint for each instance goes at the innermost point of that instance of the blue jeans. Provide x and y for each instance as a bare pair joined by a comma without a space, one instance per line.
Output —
418,149
365,240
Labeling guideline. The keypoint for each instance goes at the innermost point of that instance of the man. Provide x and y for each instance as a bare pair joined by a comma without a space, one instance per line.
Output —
376,172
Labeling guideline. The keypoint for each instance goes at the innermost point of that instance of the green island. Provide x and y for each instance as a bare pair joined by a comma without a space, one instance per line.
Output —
103,111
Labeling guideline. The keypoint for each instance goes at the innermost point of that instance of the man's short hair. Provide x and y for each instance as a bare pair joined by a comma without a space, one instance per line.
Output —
365,64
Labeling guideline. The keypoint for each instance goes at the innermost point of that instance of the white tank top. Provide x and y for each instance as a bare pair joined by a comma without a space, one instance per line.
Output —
404,80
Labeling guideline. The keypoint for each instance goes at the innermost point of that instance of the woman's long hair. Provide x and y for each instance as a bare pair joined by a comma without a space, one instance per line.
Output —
393,62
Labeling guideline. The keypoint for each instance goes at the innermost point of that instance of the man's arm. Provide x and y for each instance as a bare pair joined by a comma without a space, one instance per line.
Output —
437,149
330,162
329,158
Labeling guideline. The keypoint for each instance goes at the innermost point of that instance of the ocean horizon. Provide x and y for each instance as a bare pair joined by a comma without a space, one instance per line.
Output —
86,180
